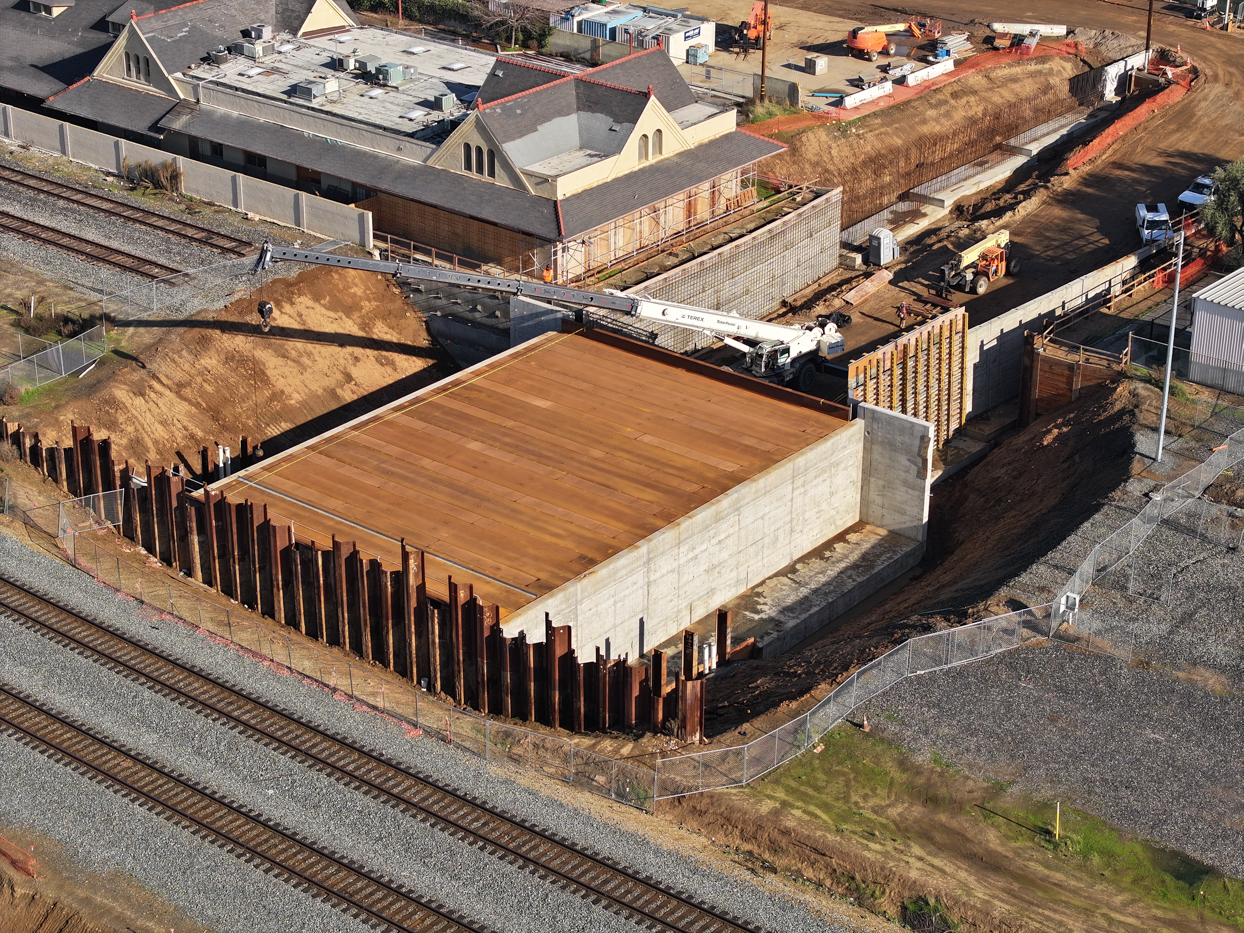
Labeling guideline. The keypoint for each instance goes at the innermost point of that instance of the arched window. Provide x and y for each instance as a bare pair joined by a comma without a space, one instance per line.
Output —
466,157
657,142
492,164
129,66
479,160
146,69
643,148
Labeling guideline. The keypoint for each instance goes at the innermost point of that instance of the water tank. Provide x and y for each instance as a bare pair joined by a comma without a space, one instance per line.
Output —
882,247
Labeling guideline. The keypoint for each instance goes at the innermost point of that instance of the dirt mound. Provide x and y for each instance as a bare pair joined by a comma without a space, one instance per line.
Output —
986,526
342,341
1103,46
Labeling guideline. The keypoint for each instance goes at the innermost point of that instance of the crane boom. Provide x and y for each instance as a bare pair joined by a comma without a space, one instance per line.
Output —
783,352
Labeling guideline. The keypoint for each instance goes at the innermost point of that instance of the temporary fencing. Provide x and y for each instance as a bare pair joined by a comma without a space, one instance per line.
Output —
56,360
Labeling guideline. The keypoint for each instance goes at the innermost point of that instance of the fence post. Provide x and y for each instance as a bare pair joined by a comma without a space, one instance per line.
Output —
488,741
6,495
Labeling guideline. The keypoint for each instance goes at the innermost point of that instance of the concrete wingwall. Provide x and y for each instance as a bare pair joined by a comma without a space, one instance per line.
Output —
896,471
996,348
657,587
752,275
220,186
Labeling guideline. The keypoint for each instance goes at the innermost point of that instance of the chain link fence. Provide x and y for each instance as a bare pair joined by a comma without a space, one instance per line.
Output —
57,360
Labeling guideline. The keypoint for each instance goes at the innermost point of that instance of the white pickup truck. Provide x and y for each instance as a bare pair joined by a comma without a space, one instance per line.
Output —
1153,223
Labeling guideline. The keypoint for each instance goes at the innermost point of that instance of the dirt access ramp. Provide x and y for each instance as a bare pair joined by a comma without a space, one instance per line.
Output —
342,342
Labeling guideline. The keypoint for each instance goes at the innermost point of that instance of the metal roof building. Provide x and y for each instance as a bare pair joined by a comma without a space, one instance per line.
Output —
1217,357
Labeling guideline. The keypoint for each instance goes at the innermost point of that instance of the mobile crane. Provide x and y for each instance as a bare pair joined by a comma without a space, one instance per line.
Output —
786,354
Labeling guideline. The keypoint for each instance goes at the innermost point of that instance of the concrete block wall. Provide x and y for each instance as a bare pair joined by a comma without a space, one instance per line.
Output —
530,318
241,192
896,471
657,587
752,275
996,348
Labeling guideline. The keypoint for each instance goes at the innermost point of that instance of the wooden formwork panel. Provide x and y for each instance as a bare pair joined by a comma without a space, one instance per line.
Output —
922,374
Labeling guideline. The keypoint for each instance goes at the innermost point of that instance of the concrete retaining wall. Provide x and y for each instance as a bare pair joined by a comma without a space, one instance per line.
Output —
752,275
896,471
240,192
996,348
530,318
654,589
864,96
933,71
1114,74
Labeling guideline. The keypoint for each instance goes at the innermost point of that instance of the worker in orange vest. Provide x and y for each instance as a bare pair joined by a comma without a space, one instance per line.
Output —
548,273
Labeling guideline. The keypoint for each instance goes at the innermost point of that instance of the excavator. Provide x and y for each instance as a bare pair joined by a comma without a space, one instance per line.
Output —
870,41
789,355
749,32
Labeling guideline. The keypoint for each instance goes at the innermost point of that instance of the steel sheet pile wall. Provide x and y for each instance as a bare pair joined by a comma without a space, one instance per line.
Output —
921,374
751,276
380,612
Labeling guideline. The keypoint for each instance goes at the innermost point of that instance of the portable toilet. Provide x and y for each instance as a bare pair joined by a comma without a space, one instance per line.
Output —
882,247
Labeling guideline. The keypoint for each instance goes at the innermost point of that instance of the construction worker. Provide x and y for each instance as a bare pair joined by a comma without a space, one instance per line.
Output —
548,273
902,316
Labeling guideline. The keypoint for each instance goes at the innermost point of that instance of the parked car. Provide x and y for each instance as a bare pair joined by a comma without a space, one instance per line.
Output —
1153,223
1197,194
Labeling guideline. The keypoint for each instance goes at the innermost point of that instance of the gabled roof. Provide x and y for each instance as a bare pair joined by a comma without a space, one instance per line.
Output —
650,68
563,117
113,104
40,55
451,191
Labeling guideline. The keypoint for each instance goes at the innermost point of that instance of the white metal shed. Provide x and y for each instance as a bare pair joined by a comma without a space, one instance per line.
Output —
1218,334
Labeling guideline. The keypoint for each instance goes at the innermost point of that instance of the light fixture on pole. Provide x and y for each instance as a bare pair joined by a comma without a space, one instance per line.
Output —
1170,344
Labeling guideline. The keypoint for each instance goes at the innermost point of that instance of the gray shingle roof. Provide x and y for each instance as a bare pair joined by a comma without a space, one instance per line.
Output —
114,105
651,68
513,76
666,177
183,35
40,56
461,194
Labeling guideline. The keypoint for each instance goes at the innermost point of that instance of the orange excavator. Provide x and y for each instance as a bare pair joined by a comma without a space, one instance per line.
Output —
748,35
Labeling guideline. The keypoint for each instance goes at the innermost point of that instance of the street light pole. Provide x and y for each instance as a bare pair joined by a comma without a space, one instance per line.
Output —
1170,345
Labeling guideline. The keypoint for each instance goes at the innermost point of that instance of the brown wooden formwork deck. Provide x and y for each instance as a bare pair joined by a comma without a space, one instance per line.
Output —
526,471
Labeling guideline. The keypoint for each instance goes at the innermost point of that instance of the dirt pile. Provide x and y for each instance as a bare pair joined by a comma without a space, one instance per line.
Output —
1103,46
342,342
986,526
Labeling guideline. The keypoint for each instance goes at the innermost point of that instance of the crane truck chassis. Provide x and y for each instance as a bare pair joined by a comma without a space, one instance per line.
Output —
786,354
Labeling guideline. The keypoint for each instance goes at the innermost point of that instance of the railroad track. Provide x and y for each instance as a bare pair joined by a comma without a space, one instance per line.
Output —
87,249
557,860
203,236
368,897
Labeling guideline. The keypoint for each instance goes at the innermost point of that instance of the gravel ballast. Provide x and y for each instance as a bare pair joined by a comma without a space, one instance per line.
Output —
211,887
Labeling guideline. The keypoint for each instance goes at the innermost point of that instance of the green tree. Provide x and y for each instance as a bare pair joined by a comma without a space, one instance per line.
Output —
1221,214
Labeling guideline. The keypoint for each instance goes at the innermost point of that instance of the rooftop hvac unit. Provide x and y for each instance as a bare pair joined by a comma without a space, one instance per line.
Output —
258,31
444,102
264,47
368,63
219,56
345,63
314,90
391,73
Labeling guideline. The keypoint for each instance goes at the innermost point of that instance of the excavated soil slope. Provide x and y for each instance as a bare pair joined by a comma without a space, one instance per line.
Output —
891,139
342,342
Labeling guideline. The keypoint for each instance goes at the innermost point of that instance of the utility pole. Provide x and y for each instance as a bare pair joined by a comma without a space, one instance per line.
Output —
1149,33
1170,344
764,50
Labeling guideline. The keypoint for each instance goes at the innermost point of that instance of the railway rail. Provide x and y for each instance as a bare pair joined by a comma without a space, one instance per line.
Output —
203,236
87,249
557,860
369,897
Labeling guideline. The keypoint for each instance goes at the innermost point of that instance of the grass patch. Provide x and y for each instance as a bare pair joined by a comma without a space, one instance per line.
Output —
759,111
861,785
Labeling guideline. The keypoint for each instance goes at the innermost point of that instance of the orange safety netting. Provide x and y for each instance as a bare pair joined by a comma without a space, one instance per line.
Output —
1125,123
